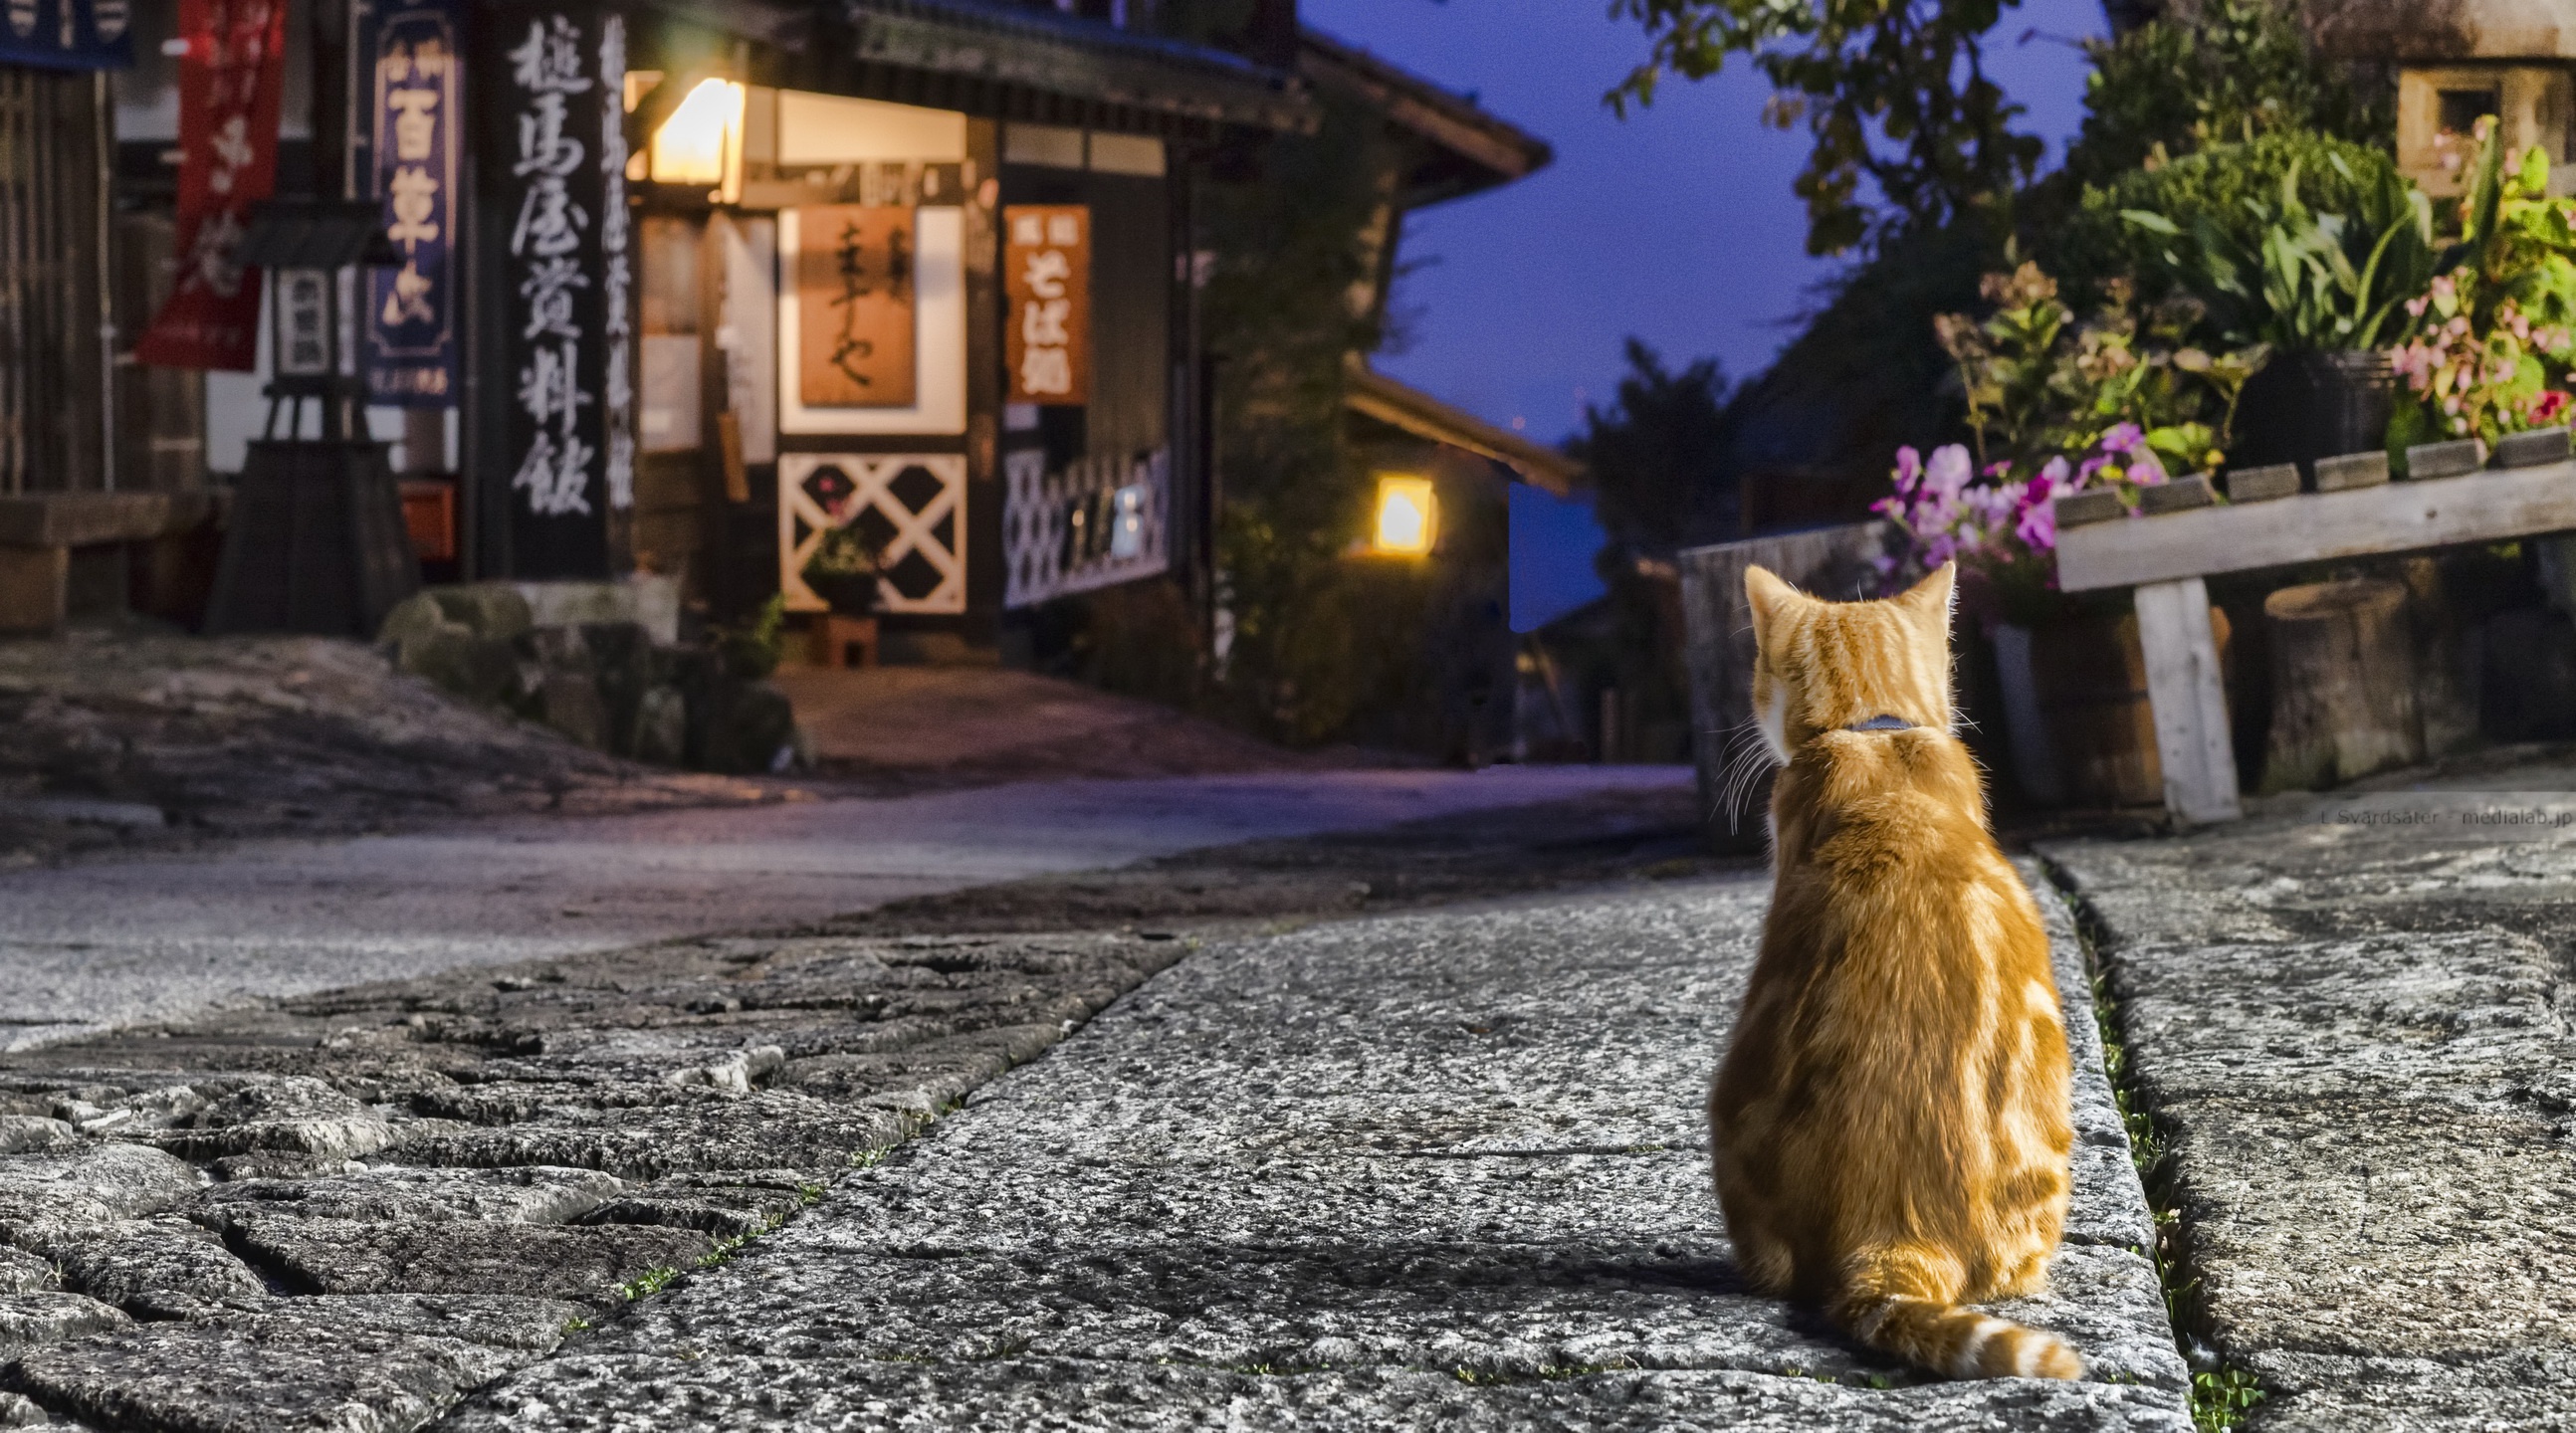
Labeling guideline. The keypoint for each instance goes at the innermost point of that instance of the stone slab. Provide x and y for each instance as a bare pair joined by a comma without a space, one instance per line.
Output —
741,1393
335,1256
1434,1170
328,1366
2352,1027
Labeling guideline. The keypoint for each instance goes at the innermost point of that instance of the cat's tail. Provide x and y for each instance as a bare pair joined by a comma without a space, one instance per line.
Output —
1891,1302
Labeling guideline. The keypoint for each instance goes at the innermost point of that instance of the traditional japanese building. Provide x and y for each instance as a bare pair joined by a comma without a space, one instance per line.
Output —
2454,64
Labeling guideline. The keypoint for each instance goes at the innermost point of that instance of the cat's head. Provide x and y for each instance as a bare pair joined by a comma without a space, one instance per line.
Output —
1825,665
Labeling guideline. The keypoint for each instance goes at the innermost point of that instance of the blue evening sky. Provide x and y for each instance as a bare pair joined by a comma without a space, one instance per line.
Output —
1676,225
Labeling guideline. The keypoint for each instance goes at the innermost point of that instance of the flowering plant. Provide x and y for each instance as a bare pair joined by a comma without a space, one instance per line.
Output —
2468,384
2055,407
2000,528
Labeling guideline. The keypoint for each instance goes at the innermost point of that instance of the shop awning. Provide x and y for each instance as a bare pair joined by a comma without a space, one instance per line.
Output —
1041,66
1374,395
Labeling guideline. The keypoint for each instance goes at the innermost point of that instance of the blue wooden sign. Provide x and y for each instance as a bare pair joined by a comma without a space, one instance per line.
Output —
65,34
412,311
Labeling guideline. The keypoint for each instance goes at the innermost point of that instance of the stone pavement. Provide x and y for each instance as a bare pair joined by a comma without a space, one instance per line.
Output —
2349,1019
111,941
1435,1170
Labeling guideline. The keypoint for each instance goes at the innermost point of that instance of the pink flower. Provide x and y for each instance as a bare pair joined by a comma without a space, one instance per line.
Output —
1909,469
2549,406
2124,438
2038,526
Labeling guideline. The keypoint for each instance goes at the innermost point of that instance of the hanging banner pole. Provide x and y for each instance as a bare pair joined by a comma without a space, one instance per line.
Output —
230,82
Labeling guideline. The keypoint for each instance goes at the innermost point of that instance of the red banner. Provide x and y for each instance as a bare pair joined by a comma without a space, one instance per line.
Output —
229,85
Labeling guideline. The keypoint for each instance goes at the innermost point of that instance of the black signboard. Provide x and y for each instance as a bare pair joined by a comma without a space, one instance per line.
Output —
551,81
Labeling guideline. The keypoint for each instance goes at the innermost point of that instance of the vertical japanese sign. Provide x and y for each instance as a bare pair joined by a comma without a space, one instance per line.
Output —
410,352
66,34
855,307
1046,264
565,271
230,81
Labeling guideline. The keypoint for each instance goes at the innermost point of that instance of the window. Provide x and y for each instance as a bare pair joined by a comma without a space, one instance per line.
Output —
2460,110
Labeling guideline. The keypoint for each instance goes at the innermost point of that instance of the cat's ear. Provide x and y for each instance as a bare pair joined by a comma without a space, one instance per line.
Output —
1928,601
1768,596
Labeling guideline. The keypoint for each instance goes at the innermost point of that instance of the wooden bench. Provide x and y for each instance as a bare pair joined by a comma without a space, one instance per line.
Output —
2163,559
68,553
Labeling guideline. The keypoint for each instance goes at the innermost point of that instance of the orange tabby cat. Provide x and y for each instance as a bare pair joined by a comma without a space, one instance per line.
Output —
1890,1122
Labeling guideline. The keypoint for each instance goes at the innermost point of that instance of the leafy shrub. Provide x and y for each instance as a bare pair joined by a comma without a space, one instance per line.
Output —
2238,188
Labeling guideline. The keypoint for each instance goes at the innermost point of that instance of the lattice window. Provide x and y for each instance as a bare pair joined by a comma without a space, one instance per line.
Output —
911,506
1094,523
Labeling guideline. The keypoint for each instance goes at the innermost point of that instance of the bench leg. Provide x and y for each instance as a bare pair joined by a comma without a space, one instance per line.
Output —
2190,706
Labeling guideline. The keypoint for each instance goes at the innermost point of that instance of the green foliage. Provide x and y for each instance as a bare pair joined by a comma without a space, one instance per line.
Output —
1316,637
2294,239
2038,385
648,1283
1894,93
2310,280
752,651
2231,71
1655,457
2220,1401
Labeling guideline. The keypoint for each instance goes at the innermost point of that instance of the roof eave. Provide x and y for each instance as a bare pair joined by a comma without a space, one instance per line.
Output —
1402,406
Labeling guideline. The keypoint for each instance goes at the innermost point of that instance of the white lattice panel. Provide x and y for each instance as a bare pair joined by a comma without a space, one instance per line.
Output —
1091,524
913,503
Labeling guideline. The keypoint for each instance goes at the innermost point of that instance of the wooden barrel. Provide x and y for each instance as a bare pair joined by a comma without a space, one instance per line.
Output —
2343,684
2089,675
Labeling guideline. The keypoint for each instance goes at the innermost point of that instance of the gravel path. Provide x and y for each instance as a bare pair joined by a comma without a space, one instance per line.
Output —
1438,1170
2350,1021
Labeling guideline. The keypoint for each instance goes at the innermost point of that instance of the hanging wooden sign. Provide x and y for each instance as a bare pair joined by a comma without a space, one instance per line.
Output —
231,81
1046,265
855,301
411,311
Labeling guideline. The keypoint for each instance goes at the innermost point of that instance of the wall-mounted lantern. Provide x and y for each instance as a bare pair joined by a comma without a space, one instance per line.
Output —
694,133
1408,516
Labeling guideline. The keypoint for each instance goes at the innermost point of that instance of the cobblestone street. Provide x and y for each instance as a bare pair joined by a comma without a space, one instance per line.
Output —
1389,1128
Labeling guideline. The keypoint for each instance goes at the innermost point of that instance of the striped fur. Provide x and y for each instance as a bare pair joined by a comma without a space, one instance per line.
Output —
1890,1125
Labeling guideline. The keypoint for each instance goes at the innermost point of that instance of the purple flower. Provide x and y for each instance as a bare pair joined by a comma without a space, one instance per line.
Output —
1949,470
2038,526
1909,469
2126,438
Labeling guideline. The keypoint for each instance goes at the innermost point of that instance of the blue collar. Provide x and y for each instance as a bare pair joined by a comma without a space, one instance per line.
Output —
1882,723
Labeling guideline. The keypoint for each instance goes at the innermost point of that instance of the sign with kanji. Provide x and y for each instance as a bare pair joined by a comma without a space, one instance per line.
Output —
557,78
230,82
411,311
66,34
1046,275
855,320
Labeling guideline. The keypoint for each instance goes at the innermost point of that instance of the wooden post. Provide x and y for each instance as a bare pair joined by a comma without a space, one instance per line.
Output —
2190,705
2343,684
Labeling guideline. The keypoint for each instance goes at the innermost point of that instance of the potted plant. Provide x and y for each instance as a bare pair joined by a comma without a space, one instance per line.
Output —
2495,334
2057,406
2327,290
844,570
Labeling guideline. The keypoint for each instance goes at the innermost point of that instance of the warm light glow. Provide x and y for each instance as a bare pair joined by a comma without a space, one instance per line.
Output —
701,143
1408,516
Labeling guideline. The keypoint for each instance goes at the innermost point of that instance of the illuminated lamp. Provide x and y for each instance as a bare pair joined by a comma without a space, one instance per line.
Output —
1408,516
701,143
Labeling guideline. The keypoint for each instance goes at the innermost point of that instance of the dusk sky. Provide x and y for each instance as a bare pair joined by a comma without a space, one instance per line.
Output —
1676,225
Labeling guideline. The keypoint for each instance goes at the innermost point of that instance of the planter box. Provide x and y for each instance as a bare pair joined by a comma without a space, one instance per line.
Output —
2175,496
2444,460
2083,509
2263,485
2353,470
2530,450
